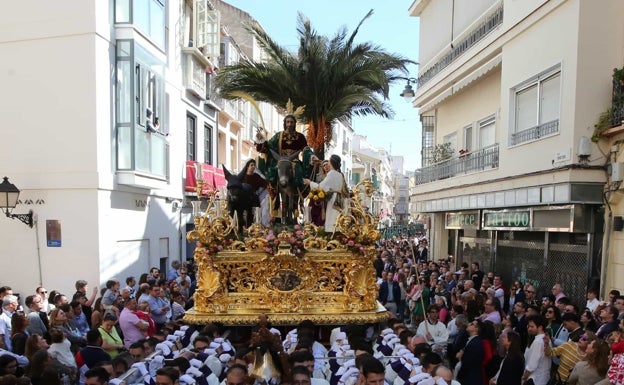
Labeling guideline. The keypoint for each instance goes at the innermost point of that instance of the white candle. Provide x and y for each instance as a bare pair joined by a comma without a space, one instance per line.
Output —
256,214
307,214
198,171
196,208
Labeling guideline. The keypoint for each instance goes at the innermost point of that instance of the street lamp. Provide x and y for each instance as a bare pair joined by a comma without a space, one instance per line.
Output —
8,200
408,91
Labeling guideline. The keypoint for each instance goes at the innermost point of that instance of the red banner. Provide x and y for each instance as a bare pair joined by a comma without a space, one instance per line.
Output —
212,177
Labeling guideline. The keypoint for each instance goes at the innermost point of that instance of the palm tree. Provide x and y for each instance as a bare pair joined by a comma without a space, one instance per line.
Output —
334,78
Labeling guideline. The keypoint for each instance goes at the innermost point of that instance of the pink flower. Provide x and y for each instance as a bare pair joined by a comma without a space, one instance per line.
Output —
292,240
276,242
362,250
297,227
267,249
351,243
220,248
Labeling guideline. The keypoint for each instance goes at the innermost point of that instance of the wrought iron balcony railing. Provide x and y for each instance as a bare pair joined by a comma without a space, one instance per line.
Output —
617,104
534,133
483,159
483,28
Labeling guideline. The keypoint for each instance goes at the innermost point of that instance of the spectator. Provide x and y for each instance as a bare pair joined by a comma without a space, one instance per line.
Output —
132,327
174,271
512,366
9,306
36,316
19,322
537,364
569,354
158,306
471,357
60,350
130,284
557,291
111,341
592,299
93,353
594,367
58,319
82,287
34,343
608,317
46,305
77,319
588,322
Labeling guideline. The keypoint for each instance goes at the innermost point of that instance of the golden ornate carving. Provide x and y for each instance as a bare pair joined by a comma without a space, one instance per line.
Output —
300,273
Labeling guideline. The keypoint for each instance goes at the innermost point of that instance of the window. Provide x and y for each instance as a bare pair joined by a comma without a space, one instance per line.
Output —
487,132
191,137
536,108
452,140
468,138
147,15
140,105
207,143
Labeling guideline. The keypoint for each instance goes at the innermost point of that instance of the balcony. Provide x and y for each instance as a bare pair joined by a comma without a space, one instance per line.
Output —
482,28
535,133
194,72
483,159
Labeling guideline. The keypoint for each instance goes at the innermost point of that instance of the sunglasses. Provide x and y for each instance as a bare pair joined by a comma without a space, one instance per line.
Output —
530,291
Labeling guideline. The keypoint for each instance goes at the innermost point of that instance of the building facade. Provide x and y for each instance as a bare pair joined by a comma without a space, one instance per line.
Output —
508,92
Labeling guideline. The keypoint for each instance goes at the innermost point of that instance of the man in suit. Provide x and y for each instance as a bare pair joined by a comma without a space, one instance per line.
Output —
390,293
471,358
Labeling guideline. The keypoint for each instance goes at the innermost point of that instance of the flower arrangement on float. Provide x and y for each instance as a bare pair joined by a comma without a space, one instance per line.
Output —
295,241
353,246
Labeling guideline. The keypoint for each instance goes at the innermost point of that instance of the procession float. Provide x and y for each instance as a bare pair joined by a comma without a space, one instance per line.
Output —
288,273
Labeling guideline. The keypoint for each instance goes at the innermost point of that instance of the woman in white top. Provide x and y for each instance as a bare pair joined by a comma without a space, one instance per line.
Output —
333,183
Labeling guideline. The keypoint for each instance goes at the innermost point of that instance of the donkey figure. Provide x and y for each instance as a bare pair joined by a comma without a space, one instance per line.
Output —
286,186
239,199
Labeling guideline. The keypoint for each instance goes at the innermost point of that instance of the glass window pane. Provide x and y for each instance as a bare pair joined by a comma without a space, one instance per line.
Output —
141,15
158,155
526,108
122,11
487,133
124,48
124,148
157,22
142,150
468,138
550,99
124,92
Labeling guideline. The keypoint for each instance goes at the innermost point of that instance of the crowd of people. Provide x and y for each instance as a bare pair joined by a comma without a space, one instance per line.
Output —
447,325
493,332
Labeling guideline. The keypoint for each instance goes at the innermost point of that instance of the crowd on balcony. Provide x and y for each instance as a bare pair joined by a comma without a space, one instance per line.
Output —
447,324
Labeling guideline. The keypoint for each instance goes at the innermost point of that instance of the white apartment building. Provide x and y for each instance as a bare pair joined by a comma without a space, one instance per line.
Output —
375,163
515,87
108,106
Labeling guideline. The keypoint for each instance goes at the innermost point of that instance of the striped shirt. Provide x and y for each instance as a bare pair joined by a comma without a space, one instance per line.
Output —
568,357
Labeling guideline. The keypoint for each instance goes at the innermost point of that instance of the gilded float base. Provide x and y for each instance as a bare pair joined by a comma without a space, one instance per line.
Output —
380,314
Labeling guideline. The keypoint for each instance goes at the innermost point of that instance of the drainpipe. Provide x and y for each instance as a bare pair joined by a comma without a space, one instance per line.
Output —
607,242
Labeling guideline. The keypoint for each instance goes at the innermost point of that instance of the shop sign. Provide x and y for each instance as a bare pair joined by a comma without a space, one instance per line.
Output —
463,220
507,219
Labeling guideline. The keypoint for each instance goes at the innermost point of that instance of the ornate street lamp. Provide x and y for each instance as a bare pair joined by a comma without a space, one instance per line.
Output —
8,200
408,92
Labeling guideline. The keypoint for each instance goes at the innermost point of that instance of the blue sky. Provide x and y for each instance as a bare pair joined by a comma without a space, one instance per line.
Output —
390,26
